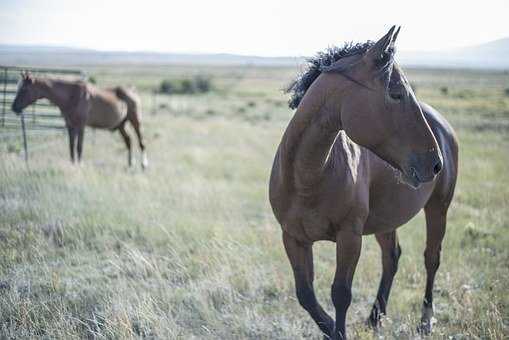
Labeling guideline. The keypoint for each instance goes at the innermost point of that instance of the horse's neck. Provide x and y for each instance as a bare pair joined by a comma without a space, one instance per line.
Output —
309,137
56,92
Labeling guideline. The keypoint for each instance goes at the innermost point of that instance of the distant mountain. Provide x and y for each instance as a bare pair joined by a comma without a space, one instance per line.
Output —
64,56
491,55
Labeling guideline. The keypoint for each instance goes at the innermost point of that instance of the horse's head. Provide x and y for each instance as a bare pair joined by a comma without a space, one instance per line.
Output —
379,111
27,93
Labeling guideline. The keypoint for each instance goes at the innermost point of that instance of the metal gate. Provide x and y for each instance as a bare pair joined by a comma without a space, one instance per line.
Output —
39,118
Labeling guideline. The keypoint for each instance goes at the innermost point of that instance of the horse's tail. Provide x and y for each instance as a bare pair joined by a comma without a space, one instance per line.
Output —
131,100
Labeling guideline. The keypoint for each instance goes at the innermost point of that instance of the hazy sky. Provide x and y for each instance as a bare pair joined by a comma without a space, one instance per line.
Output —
261,27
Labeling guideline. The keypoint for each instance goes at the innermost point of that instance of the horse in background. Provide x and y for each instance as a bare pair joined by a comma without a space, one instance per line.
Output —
83,104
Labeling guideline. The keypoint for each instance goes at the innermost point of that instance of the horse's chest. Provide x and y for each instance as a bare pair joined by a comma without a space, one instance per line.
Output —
315,222
308,225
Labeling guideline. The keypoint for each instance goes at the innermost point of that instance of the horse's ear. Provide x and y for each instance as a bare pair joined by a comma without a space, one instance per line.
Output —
395,36
27,76
383,47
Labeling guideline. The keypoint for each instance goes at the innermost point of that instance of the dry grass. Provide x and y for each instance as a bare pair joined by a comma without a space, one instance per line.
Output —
190,249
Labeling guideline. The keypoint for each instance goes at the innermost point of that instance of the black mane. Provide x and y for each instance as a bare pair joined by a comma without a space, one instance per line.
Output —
325,58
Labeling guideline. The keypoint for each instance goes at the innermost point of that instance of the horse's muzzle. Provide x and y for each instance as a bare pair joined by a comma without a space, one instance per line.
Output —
423,167
16,109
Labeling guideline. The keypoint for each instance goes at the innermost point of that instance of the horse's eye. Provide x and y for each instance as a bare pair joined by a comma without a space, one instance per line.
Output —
396,96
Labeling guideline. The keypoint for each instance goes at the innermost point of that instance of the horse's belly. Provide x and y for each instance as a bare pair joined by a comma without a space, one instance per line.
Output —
106,115
395,206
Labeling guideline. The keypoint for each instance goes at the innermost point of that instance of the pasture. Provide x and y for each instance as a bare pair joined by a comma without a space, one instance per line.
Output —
190,249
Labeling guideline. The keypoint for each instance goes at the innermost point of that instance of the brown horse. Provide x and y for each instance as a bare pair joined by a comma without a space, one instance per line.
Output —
360,156
82,104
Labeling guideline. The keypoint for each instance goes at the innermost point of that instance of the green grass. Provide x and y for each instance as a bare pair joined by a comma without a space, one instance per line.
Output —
190,248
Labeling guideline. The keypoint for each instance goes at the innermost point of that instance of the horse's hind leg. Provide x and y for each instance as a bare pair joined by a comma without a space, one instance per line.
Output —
137,128
391,251
127,141
436,215
301,260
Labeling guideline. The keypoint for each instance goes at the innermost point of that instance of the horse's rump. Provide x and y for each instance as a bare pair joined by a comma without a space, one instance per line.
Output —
131,100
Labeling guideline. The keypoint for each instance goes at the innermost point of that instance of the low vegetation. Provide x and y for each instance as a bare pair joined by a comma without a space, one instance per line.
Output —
195,85
190,248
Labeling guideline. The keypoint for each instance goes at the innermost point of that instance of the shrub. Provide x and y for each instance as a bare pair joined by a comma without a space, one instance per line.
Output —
166,86
187,86
506,91
202,84
197,84
464,94
444,90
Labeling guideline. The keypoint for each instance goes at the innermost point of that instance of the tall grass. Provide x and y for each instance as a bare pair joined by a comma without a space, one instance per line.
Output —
189,249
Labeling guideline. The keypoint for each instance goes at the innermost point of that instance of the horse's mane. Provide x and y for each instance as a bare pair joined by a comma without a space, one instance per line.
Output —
324,58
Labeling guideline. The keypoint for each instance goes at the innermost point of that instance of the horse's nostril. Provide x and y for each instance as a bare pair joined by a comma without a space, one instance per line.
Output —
437,167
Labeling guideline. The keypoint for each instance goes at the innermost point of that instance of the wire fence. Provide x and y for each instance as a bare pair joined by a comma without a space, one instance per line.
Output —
40,118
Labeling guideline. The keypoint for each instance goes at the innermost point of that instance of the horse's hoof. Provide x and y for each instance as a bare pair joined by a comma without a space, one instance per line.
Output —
144,161
427,320
426,326
374,320
373,323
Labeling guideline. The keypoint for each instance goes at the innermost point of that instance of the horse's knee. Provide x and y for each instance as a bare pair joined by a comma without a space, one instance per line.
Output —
432,259
341,295
395,255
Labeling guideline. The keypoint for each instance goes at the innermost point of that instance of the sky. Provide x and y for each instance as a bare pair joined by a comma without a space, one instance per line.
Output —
260,27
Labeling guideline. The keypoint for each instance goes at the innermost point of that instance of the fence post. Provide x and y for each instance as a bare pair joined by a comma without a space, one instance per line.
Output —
5,97
25,146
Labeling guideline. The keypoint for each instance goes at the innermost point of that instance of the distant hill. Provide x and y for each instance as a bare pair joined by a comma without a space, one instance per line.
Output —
491,55
64,56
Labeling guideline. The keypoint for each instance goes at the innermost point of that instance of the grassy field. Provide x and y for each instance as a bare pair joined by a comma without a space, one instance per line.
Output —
190,249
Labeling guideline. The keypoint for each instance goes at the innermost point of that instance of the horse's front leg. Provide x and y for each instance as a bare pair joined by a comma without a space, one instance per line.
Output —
348,243
81,134
73,132
301,259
